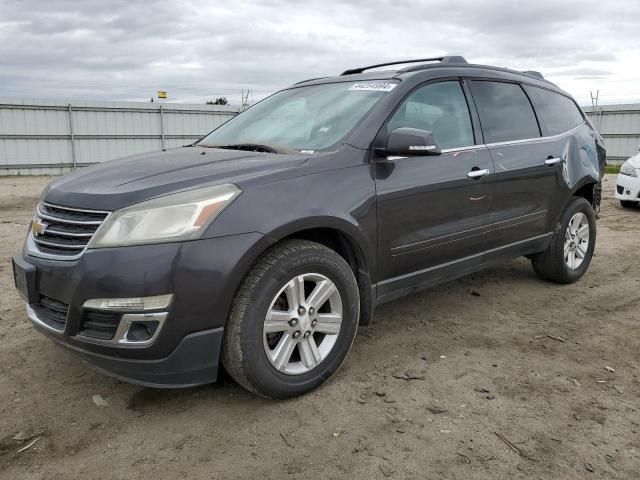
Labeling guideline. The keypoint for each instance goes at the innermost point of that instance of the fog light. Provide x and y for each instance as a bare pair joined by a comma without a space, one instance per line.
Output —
139,328
141,331
135,304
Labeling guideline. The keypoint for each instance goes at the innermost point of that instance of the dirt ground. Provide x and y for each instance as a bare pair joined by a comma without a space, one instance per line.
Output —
512,383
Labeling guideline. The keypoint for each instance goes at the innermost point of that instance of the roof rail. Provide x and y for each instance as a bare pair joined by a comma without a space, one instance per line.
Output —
446,59
309,80
533,73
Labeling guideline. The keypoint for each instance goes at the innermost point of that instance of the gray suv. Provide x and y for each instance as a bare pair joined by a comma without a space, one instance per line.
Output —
264,245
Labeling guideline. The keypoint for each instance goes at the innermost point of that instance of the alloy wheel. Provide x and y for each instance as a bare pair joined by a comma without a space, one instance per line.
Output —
302,324
576,240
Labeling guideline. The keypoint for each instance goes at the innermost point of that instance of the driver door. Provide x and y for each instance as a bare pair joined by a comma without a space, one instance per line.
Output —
431,213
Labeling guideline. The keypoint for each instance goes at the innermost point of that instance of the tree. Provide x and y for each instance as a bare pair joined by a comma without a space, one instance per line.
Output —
218,101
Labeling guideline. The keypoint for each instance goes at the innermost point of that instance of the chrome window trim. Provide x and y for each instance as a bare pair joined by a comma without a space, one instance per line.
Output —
514,142
462,149
535,139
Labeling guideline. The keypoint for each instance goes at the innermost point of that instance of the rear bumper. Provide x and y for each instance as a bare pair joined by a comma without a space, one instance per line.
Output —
627,188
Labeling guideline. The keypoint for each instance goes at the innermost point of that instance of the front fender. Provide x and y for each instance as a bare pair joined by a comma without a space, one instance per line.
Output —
341,199
346,226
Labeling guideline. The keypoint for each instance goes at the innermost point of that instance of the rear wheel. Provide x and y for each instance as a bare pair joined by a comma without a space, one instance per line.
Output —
569,254
293,320
628,204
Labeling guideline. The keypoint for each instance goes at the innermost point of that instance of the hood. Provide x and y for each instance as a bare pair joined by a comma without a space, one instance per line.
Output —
635,161
118,183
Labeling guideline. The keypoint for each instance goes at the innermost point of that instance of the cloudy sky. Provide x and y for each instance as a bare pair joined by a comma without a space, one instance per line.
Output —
198,50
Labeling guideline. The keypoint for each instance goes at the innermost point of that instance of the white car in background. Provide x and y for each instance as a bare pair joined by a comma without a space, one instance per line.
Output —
628,182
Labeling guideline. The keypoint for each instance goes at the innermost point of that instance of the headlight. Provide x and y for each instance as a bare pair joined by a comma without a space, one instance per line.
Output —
627,169
175,217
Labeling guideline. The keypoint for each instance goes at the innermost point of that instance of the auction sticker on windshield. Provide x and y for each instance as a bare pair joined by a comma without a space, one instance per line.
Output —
375,86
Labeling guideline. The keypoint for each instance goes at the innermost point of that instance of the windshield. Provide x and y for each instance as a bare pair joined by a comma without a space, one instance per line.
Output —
312,118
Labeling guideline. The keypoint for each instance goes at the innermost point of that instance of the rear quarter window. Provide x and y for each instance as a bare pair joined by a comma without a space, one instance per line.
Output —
559,113
505,111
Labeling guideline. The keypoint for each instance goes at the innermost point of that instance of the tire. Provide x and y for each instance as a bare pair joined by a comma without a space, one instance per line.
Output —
628,204
553,264
249,354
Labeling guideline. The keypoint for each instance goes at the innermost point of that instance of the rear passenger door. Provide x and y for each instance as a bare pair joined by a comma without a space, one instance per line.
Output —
524,183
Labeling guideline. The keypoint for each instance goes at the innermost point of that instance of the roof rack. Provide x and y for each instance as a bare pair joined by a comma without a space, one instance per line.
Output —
446,59
533,73
309,80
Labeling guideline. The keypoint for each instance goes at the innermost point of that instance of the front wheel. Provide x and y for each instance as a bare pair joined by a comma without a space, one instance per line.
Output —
569,254
293,320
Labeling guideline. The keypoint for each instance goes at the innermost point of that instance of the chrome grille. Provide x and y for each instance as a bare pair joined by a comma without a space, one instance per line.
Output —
64,231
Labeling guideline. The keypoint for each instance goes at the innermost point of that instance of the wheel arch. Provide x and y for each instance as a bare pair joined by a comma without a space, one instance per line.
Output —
586,190
349,242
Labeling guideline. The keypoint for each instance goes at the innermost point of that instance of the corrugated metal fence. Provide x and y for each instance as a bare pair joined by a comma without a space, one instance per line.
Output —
619,125
52,137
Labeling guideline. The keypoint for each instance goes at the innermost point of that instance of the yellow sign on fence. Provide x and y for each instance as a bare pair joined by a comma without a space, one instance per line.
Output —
162,94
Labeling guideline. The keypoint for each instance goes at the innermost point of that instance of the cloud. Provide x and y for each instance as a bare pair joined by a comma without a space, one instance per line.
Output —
197,50
586,72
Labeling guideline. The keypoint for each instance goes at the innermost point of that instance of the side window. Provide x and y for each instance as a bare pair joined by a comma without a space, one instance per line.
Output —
558,112
440,108
505,111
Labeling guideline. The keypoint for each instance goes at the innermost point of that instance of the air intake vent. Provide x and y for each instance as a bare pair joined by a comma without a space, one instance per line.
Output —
52,312
62,231
100,325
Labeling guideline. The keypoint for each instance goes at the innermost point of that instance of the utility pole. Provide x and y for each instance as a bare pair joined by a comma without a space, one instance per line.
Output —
594,98
245,99
597,114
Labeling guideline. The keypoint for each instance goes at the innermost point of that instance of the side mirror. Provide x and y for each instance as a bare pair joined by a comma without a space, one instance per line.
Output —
412,142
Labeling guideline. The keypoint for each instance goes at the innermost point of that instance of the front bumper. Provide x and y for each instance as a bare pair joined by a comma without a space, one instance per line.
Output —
627,188
193,362
202,275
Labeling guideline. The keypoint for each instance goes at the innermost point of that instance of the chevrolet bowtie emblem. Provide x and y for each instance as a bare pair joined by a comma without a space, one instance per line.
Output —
38,227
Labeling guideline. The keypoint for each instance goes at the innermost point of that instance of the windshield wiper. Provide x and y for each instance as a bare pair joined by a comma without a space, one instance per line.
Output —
251,147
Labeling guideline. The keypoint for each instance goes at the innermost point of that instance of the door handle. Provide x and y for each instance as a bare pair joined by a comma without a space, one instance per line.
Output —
478,173
552,161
